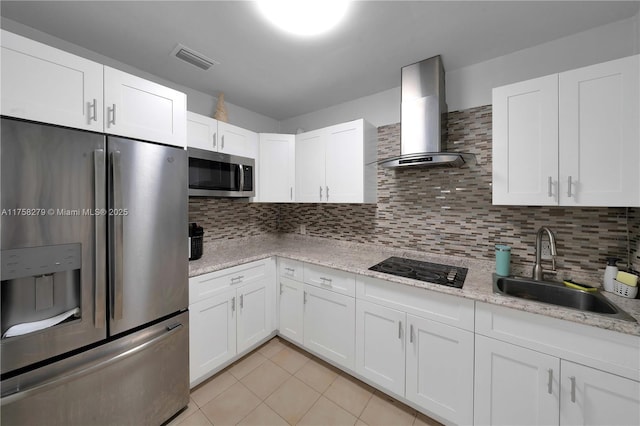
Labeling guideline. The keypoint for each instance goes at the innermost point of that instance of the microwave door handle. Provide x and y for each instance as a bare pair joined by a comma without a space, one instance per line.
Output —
241,178
117,275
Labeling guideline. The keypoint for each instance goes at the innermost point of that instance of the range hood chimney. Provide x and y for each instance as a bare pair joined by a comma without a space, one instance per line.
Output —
423,119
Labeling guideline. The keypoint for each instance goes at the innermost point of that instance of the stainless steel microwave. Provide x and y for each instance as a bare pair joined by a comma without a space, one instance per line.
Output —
214,174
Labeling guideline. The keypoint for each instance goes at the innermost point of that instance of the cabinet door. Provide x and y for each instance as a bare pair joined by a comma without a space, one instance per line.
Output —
599,133
235,140
291,309
514,385
440,369
141,109
254,314
593,397
525,142
329,325
380,345
310,171
212,334
202,132
44,84
344,163
277,168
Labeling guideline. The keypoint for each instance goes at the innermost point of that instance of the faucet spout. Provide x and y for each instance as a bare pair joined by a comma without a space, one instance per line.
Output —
537,268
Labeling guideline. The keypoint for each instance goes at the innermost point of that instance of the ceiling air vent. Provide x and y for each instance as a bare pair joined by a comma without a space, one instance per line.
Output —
193,57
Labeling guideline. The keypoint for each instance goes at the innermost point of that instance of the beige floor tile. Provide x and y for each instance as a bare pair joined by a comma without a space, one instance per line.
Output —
246,365
196,419
384,411
191,409
272,347
263,416
361,423
290,359
231,406
325,412
292,400
317,374
350,394
422,420
212,388
266,378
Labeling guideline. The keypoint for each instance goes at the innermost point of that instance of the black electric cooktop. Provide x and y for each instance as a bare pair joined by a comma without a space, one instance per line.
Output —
452,276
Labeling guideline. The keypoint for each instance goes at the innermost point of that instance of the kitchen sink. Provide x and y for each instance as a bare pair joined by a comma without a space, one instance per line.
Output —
555,293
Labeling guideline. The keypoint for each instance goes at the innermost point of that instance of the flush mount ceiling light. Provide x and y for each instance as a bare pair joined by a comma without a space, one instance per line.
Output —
304,17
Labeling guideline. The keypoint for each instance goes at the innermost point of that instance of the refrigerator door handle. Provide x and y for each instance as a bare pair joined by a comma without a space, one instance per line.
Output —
66,378
117,266
99,291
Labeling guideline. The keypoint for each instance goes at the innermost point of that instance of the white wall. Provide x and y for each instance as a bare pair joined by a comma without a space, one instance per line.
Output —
198,102
471,86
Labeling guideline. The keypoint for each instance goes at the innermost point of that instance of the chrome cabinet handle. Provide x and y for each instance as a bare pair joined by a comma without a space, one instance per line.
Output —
93,110
291,270
550,193
399,329
113,114
117,270
215,140
321,193
241,301
569,194
222,142
550,383
304,298
280,288
327,192
236,280
326,281
291,193
411,333
99,315
573,388
233,304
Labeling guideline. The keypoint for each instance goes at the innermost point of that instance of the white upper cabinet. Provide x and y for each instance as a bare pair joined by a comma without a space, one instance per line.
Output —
139,108
202,132
599,134
277,168
569,139
336,164
208,133
525,142
45,84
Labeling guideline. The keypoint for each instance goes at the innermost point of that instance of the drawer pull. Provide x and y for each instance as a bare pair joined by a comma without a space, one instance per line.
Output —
290,270
326,281
237,279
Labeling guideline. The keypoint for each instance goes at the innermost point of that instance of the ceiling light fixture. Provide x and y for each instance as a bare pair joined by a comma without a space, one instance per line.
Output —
304,17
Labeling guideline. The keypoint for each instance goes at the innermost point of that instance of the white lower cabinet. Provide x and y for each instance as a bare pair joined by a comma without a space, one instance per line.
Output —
212,334
291,309
380,345
593,397
237,314
329,325
440,369
515,385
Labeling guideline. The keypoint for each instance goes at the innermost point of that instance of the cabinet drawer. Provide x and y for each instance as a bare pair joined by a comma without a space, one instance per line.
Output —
444,308
330,279
208,285
290,269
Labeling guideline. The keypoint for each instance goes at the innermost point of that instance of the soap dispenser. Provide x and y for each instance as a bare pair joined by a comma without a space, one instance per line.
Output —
610,273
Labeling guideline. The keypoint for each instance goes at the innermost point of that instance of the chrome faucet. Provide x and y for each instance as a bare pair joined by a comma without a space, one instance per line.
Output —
537,268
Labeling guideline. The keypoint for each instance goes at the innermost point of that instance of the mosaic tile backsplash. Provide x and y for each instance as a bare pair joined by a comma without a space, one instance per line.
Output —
441,210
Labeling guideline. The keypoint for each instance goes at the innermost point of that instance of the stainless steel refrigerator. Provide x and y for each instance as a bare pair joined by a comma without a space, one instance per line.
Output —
94,268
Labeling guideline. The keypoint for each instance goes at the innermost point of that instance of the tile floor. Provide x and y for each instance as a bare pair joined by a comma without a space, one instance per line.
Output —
279,384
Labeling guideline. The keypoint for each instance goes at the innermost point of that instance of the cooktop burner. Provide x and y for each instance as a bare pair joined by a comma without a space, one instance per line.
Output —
452,276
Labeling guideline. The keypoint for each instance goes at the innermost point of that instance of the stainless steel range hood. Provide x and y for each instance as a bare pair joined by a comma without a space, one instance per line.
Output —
423,120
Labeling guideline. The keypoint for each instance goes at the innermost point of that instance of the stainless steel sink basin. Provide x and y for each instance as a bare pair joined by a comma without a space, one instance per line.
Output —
557,294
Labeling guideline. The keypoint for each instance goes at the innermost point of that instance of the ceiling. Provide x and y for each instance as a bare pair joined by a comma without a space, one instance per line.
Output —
281,76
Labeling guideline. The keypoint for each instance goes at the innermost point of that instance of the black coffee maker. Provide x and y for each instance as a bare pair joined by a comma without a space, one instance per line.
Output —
196,234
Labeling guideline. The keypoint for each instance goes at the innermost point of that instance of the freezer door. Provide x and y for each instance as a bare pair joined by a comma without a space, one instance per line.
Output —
139,379
53,244
148,254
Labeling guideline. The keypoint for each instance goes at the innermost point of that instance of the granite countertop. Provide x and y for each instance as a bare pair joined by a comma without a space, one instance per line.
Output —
357,258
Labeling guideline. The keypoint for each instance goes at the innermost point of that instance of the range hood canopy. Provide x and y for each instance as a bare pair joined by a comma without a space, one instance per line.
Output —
423,119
